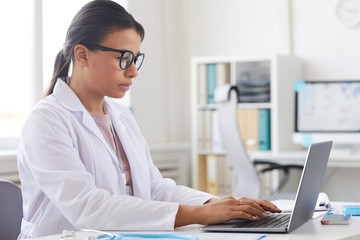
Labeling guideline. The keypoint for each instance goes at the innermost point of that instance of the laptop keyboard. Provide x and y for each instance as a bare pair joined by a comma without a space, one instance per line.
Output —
273,221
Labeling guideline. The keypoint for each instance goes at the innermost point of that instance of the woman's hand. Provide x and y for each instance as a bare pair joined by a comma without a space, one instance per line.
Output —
222,210
266,205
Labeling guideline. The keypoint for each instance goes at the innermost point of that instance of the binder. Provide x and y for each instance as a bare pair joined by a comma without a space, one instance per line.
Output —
205,129
264,130
211,82
248,127
224,177
201,130
228,178
208,129
221,177
202,84
202,175
215,132
222,74
212,176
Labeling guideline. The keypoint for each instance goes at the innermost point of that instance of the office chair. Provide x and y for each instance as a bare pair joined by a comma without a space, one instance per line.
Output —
11,210
246,181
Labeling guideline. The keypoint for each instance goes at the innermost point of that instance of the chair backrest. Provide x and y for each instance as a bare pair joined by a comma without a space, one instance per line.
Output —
245,179
10,210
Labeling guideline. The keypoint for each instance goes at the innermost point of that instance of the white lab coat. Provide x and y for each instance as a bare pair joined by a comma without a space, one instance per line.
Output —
71,179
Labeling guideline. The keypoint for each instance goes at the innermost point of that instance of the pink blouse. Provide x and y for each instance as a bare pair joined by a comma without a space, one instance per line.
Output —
102,121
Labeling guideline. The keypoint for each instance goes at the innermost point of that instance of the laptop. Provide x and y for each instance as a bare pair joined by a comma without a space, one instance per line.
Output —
305,201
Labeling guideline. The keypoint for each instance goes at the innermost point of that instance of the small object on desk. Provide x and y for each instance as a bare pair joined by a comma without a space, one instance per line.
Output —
325,205
330,219
353,210
323,202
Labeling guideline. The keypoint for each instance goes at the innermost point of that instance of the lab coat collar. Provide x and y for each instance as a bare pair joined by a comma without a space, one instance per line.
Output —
67,97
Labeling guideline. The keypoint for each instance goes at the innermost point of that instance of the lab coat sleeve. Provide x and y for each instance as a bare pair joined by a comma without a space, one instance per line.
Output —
48,151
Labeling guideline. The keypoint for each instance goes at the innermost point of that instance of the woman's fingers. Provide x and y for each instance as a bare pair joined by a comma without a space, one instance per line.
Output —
251,202
252,210
248,216
267,206
229,208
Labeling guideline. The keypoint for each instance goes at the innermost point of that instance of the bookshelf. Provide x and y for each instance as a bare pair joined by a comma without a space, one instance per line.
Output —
210,171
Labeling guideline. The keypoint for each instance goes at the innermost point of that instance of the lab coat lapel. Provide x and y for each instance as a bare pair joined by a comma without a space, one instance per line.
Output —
68,98
90,124
136,157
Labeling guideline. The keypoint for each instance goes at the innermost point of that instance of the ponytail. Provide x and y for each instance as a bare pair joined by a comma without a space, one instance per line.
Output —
61,70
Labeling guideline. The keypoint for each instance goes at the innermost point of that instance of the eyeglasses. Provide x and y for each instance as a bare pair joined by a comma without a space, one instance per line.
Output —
127,57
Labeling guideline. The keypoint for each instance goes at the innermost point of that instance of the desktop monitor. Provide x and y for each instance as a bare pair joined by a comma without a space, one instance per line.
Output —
327,110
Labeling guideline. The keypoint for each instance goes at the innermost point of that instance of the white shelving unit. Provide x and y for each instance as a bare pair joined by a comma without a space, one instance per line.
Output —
283,71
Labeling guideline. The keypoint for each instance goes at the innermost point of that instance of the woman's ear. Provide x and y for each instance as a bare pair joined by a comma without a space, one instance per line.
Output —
81,54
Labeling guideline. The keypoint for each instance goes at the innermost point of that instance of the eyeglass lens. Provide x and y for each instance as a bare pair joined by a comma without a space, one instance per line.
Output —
128,57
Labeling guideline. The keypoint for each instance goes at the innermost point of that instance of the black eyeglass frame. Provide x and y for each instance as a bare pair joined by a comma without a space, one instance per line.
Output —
107,49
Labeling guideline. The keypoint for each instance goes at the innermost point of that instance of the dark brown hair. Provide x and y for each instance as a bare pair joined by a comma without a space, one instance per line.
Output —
90,26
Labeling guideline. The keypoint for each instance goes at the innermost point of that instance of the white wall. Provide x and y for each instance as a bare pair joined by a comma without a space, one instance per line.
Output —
329,50
149,93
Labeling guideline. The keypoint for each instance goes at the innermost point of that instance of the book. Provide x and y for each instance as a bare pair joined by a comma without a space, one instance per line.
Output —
202,84
201,129
212,185
264,129
224,177
216,143
228,178
221,177
205,129
248,128
202,175
222,74
211,82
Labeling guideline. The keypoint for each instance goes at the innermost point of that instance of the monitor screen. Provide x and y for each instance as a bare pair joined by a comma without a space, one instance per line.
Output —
327,106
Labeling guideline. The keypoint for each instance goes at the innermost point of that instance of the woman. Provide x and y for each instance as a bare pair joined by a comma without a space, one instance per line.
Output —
83,161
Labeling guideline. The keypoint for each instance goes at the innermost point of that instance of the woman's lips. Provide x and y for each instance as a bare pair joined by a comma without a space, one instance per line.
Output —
125,86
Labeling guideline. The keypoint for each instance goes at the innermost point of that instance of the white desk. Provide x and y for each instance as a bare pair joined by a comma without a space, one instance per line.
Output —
311,230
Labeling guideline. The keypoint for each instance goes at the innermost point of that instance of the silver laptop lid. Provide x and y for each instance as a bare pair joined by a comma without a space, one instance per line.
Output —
310,183
306,197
